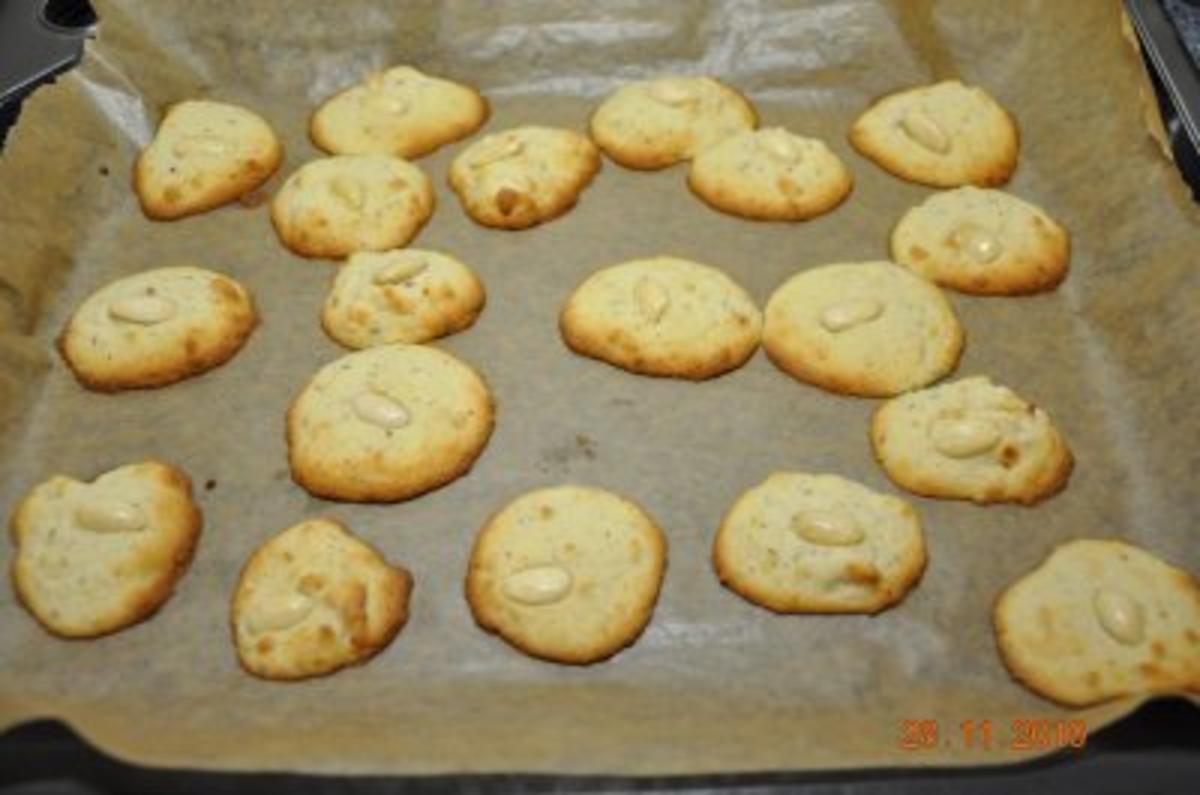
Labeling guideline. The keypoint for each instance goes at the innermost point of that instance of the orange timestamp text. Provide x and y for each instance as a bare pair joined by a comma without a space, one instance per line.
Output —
1018,734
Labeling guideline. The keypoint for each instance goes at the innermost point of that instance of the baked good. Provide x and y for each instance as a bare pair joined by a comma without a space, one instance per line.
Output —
944,135
567,574
770,175
656,123
401,111
1100,619
868,328
800,543
400,296
387,423
986,242
336,206
156,327
203,155
94,558
523,176
662,316
971,440
315,599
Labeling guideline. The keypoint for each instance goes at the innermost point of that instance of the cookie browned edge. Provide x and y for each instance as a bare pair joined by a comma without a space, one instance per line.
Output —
1053,480
423,146
1010,653
150,602
299,242
597,652
164,375
542,214
748,590
798,366
1041,275
338,489
255,175
996,174
642,161
454,322
399,612
721,200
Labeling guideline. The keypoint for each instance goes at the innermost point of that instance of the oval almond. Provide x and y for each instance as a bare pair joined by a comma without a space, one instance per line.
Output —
921,128
145,310
541,585
278,614
848,314
109,515
827,528
964,437
380,410
1120,616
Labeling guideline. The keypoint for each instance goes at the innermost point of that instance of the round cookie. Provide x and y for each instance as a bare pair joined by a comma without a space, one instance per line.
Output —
662,316
336,206
799,543
1100,619
871,329
94,558
567,574
971,440
156,327
203,155
400,296
943,135
523,176
770,175
986,242
313,600
656,123
402,112
387,423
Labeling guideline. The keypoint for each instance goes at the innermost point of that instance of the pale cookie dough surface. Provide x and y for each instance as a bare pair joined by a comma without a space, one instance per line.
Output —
204,154
402,112
157,327
944,135
524,176
986,242
663,316
1100,619
800,543
400,296
94,558
388,423
315,599
567,574
871,329
770,175
335,206
971,440
657,123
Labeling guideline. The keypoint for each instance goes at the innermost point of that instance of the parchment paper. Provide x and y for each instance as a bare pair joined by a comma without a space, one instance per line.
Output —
715,684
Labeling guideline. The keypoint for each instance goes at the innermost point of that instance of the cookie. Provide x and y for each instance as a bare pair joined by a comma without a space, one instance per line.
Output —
567,574
871,329
336,206
387,423
402,112
95,558
662,316
156,327
400,296
203,155
944,135
1100,619
524,176
799,543
656,123
770,175
971,440
313,600
986,242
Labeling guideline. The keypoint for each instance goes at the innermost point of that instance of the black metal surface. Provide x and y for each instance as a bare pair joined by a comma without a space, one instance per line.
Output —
1156,750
